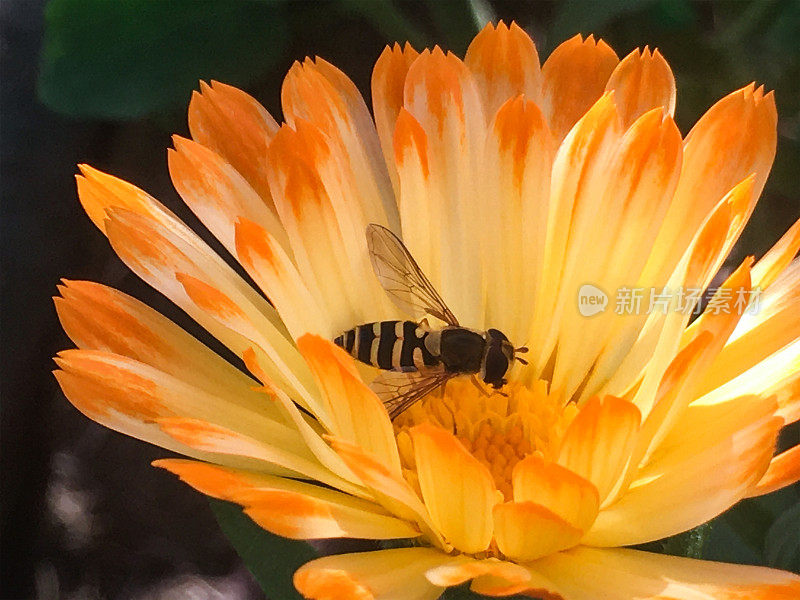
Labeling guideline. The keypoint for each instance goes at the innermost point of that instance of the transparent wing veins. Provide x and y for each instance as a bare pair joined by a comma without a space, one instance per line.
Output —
398,390
401,276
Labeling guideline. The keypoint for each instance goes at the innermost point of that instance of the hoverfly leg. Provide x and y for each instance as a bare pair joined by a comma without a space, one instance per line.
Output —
478,385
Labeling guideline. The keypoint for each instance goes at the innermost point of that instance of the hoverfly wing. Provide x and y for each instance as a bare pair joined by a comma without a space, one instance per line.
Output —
398,390
401,277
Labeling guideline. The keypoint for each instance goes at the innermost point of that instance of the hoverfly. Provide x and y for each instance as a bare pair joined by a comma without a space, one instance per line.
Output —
416,359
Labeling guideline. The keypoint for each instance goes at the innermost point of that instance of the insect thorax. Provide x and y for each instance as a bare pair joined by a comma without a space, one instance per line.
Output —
461,349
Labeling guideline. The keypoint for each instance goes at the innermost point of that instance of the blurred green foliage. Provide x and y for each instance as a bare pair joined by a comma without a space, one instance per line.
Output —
130,58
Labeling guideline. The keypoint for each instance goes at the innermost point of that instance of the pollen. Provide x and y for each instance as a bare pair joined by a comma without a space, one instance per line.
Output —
497,429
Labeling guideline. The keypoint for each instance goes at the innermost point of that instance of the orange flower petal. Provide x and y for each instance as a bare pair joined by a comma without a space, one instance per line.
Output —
574,77
505,64
784,470
388,488
641,82
388,82
464,568
686,488
741,128
520,153
381,575
358,415
598,443
273,271
621,574
236,127
525,531
97,317
318,92
557,489
458,491
291,508
132,398
216,193
100,191
441,95
775,261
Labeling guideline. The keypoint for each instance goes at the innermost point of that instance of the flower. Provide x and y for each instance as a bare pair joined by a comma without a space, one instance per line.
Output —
513,186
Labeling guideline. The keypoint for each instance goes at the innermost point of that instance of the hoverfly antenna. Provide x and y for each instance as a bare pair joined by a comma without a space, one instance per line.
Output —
521,360
522,349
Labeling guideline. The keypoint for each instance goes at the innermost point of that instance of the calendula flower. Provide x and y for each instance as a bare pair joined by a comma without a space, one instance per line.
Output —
514,187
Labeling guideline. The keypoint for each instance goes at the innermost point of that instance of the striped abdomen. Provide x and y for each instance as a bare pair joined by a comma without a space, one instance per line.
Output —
395,345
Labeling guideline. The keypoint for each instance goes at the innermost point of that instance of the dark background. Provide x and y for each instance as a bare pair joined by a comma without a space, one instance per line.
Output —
84,516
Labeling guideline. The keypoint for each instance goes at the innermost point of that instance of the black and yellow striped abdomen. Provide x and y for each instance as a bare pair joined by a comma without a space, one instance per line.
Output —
390,345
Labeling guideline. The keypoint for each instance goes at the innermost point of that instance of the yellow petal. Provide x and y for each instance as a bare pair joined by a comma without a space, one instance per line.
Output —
598,443
505,64
641,82
574,77
556,488
291,508
525,531
236,127
458,491
381,575
463,568
621,574
358,415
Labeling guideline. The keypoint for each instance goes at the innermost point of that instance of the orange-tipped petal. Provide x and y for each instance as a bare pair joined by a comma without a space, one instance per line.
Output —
273,271
574,77
775,261
97,317
598,443
216,193
784,470
688,488
505,64
388,82
458,491
381,575
389,488
98,192
621,574
641,82
291,508
556,488
735,139
525,531
235,126
358,415
318,92
464,568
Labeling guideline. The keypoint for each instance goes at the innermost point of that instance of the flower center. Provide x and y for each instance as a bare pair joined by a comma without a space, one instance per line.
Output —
499,430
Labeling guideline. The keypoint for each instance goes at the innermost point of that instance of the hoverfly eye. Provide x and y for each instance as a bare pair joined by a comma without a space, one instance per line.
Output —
496,366
496,334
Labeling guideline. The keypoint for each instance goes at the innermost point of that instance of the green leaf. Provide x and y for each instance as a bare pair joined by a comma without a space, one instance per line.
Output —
270,558
782,542
129,58
388,19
